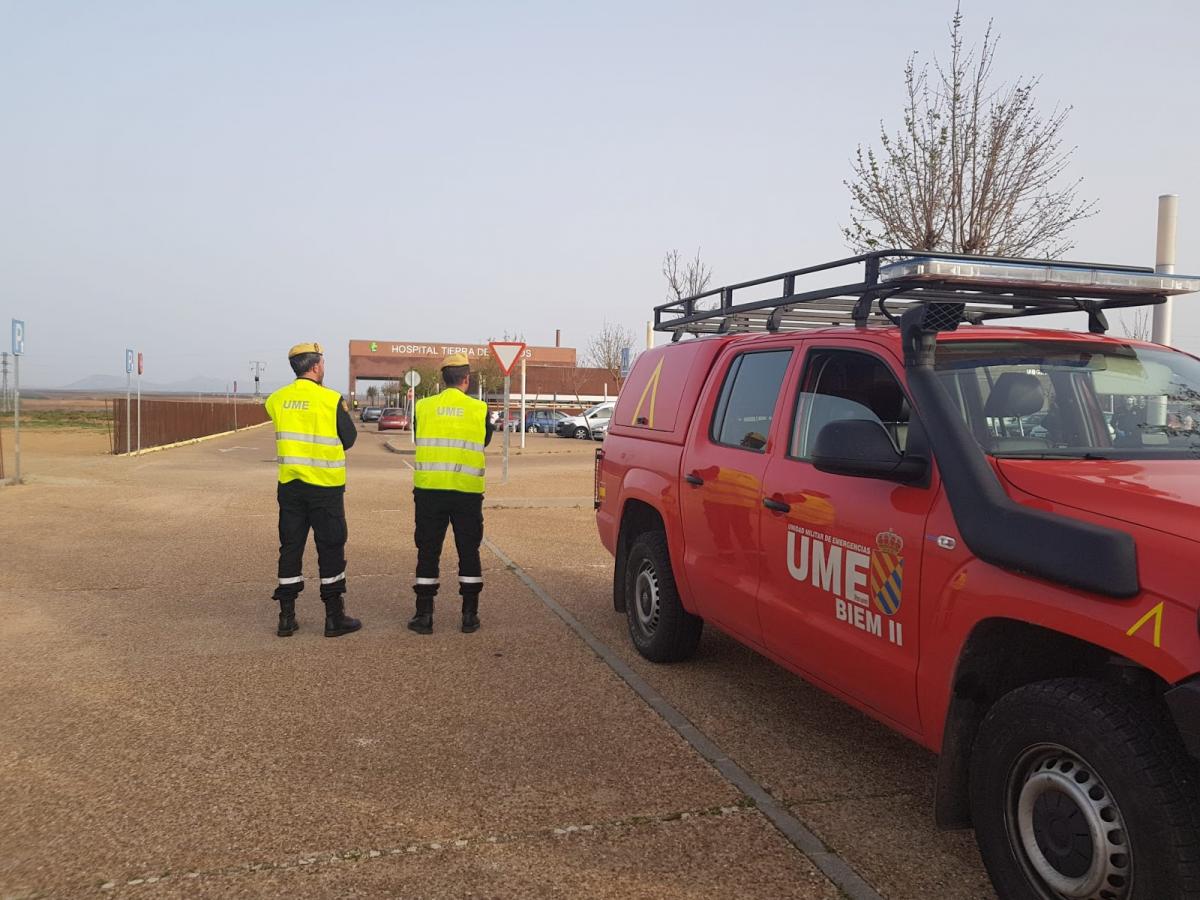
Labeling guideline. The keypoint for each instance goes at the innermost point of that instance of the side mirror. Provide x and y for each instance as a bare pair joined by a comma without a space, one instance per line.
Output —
863,449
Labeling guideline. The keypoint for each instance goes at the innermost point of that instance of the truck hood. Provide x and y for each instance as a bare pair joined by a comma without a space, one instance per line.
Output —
1159,494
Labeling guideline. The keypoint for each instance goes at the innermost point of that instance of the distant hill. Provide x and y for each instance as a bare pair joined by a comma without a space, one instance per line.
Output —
198,384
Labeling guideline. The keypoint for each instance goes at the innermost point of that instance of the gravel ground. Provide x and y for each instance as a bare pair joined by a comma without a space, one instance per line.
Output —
158,738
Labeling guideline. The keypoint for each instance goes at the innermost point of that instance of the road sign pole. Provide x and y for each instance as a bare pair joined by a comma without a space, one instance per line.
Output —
412,378
522,402
506,353
17,416
18,350
139,392
128,414
507,383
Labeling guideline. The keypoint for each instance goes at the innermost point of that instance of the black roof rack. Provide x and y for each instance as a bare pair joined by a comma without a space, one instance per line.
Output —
990,287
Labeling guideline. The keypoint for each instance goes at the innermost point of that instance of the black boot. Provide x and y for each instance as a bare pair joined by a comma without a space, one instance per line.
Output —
287,618
337,622
470,613
422,621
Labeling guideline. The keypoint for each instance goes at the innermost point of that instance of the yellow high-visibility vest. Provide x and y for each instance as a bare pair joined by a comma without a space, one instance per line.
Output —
451,428
307,445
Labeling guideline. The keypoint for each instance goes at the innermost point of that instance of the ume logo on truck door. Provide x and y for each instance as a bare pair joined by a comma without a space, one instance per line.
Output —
843,568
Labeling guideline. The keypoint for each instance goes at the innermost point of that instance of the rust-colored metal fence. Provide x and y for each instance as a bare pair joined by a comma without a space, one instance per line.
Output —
171,421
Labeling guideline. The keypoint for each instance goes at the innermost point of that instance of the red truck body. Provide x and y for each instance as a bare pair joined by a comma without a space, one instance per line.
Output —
866,587
905,681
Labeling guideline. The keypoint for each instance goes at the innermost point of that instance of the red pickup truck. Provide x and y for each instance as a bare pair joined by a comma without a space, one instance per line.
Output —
980,536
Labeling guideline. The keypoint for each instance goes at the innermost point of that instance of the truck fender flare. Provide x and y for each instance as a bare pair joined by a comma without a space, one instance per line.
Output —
646,497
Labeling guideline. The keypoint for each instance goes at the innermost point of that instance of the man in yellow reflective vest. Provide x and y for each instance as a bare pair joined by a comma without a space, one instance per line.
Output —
313,431
451,431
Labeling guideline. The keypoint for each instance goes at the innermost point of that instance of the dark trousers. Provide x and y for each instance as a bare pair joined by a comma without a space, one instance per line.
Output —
435,510
301,507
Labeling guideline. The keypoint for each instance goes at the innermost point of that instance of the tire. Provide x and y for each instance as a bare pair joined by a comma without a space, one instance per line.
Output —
1063,768
581,432
660,628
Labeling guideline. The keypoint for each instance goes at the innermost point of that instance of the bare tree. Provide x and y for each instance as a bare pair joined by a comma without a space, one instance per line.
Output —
974,169
605,349
1140,328
685,278
487,374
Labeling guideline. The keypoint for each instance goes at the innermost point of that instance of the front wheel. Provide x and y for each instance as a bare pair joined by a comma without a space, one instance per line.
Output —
660,628
1081,790
581,432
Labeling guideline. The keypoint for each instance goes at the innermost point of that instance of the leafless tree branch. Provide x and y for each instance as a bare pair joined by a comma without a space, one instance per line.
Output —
974,168
604,350
685,278
1140,326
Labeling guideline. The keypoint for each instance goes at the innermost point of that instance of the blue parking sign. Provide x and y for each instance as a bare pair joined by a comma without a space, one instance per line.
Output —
128,362
18,337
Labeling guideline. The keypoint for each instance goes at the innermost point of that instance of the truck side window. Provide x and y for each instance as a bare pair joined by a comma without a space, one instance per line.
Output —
843,384
743,415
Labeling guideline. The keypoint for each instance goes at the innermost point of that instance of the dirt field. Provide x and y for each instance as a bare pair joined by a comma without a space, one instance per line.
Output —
159,739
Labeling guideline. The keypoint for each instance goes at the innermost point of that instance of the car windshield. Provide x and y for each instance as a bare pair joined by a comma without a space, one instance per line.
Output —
393,412
1046,399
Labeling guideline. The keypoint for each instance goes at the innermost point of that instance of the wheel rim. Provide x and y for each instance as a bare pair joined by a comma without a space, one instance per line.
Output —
581,433
1066,828
647,604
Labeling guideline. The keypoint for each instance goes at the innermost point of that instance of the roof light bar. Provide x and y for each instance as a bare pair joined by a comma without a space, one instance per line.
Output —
967,273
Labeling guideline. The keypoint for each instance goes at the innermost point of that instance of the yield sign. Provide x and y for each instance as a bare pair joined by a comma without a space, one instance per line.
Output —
507,353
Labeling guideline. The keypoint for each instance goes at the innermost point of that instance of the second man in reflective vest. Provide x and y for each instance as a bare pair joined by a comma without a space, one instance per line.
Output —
451,431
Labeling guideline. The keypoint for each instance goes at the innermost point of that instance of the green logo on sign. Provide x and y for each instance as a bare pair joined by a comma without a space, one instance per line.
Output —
374,346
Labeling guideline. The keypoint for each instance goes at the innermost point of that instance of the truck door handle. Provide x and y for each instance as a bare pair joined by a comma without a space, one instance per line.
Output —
776,505
693,479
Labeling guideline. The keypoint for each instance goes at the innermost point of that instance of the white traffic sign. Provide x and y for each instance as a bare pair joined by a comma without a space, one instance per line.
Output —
128,362
412,378
507,353
18,337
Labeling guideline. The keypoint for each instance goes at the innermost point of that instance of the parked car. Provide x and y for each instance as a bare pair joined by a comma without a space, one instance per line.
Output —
392,419
600,429
581,426
871,508
543,420
370,414
501,422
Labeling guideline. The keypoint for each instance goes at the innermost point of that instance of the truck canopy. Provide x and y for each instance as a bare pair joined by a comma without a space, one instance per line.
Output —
664,381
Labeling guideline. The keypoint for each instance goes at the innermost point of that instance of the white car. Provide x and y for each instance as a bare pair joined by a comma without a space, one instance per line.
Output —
583,425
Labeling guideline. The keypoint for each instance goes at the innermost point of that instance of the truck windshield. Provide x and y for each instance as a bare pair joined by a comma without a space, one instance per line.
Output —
1046,399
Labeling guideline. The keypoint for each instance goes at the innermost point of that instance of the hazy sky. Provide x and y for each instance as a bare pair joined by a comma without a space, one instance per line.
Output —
212,182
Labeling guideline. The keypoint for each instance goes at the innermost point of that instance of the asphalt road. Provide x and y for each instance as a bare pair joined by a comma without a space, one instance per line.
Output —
157,738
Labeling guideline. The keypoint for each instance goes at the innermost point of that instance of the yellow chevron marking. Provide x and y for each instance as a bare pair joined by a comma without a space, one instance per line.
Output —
651,389
1155,613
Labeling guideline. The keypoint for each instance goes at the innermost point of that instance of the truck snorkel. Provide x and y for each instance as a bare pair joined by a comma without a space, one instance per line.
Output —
996,529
